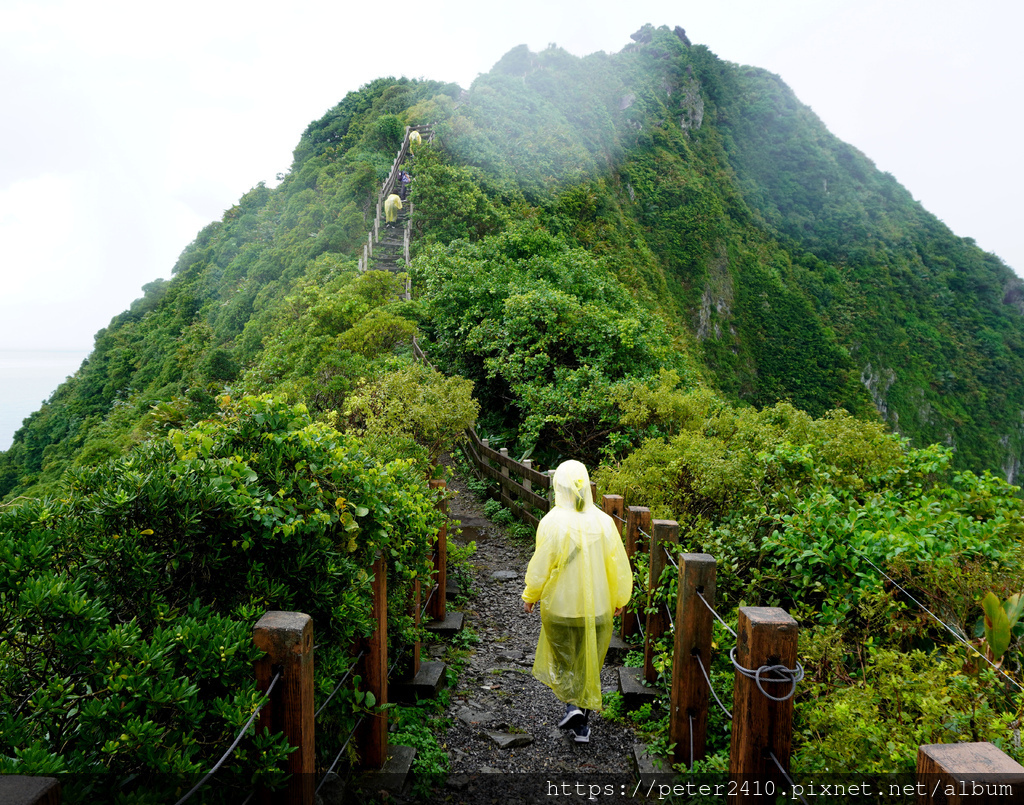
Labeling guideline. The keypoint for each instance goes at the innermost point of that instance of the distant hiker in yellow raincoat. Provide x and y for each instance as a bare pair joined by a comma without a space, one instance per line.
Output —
580,575
414,140
392,204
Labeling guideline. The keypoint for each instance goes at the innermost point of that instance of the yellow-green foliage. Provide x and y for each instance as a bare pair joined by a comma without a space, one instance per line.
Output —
898,702
377,333
414,402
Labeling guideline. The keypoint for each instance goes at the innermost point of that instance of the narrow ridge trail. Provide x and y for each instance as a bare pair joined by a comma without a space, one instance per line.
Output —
504,722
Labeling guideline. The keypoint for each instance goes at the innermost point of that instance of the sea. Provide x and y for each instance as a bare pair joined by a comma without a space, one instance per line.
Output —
27,379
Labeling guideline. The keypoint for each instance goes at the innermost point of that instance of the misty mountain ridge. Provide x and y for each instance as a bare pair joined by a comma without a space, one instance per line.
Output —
762,257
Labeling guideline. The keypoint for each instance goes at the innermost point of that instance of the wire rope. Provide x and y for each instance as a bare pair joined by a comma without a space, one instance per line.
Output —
711,609
231,748
712,687
789,779
791,675
340,752
337,687
939,620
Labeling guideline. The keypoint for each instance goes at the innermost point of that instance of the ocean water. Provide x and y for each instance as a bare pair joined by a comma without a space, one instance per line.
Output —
27,379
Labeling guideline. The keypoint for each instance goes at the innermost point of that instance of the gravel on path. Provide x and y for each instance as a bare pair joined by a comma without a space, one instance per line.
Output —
503,720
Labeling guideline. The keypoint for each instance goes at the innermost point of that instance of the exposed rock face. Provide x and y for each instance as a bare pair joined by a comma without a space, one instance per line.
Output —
681,33
878,385
718,295
693,106
643,36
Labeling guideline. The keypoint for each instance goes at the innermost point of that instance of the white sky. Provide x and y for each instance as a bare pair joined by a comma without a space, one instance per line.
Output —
126,127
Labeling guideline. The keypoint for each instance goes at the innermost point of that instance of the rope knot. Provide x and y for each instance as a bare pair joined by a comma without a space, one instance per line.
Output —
790,675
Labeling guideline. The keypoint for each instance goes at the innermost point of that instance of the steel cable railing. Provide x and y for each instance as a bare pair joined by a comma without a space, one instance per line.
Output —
340,753
337,687
941,622
231,749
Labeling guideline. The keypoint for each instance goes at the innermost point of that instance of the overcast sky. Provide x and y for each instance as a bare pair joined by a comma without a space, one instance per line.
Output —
126,127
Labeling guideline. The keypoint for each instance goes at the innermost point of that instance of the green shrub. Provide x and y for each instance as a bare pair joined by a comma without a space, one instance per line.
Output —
127,602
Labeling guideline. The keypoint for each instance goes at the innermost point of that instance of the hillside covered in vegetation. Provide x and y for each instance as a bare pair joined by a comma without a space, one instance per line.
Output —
654,261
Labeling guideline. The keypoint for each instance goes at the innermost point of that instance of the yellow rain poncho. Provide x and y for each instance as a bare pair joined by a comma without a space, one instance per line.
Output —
580,575
392,204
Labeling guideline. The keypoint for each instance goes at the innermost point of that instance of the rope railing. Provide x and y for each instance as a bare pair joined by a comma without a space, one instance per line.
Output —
768,645
234,744
711,687
712,610
938,620
792,786
337,687
341,751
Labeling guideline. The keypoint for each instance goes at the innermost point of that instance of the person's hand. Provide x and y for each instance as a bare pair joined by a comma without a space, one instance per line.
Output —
528,606
620,610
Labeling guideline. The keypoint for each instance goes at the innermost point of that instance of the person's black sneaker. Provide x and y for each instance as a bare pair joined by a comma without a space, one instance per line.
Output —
573,718
581,734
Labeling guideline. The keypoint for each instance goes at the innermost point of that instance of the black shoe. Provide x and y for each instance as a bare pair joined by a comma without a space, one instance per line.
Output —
573,718
581,735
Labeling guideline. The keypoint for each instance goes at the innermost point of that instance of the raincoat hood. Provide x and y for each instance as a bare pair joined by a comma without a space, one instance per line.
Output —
572,487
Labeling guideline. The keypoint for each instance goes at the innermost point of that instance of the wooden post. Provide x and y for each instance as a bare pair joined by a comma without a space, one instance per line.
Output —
761,727
612,506
694,629
637,518
438,606
975,773
287,639
527,483
593,491
373,734
666,532
20,789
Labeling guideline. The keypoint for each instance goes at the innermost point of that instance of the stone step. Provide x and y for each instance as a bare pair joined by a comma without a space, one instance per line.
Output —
387,782
651,770
18,789
617,650
425,685
631,685
451,625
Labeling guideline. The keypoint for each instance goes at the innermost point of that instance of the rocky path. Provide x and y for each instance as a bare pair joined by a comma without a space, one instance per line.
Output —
503,720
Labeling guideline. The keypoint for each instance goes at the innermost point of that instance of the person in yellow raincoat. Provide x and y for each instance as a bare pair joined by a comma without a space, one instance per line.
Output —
580,575
392,204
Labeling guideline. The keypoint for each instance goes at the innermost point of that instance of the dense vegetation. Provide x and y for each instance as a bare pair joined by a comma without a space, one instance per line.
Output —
655,261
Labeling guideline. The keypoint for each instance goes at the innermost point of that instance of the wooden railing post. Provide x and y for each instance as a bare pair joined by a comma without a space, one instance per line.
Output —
612,506
373,734
287,640
638,518
527,483
688,717
504,469
666,532
975,773
438,605
761,727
